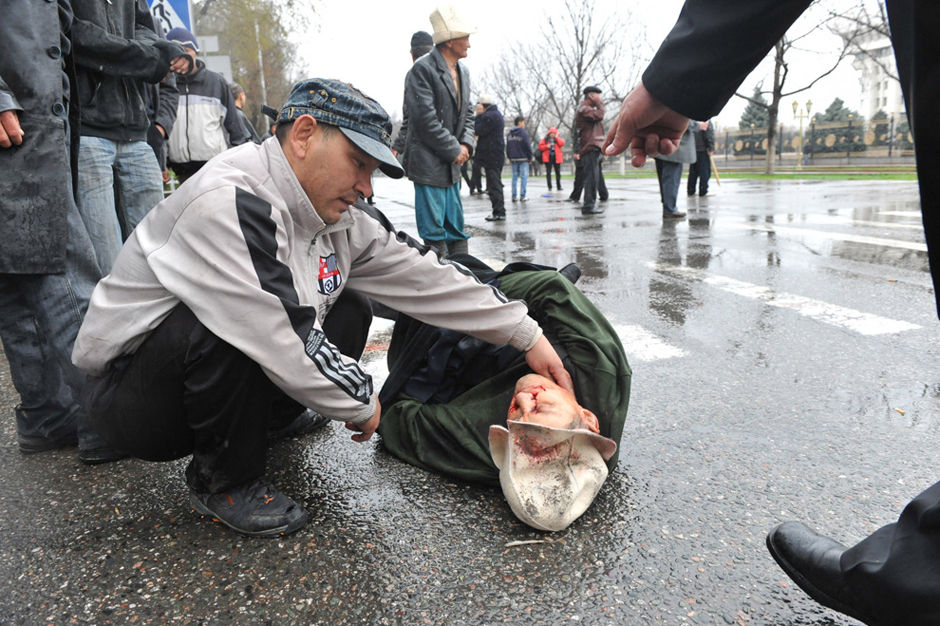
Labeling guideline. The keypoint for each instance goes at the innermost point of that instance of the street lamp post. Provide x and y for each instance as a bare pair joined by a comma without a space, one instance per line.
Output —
848,140
752,141
801,114
812,140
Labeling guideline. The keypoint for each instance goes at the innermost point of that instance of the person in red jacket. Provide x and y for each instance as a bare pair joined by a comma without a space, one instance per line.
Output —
550,147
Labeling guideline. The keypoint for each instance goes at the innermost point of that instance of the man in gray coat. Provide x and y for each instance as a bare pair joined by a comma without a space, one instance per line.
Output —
440,133
47,264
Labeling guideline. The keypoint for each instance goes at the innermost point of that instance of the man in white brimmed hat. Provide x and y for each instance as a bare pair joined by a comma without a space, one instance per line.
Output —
440,134
552,459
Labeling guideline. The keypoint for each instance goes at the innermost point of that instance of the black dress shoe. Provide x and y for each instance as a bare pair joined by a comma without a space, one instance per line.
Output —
495,218
591,210
571,271
100,455
812,561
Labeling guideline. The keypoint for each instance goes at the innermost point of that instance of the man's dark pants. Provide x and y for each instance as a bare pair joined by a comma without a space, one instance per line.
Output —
578,186
187,391
591,162
494,188
702,170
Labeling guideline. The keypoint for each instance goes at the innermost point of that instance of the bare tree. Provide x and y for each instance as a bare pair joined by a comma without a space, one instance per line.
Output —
543,80
867,23
791,41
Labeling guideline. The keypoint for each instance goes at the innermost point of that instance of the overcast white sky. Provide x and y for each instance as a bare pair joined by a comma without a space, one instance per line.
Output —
369,48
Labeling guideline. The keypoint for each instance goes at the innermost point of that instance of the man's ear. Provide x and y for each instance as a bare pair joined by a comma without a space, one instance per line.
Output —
590,420
301,132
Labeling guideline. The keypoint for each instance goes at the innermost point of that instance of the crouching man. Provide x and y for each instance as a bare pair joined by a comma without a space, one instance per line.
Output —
447,395
234,297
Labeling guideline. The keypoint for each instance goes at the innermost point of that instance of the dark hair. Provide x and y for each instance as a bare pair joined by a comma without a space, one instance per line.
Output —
283,129
519,118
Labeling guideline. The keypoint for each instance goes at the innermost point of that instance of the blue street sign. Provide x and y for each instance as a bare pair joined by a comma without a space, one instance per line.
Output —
171,13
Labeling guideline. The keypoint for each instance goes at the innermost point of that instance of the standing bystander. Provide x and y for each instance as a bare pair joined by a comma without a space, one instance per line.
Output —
550,146
116,51
589,122
440,132
47,263
519,151
239,98
207,122
704,135
490,154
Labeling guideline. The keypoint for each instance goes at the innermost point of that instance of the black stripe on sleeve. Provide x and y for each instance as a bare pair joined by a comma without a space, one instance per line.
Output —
259,230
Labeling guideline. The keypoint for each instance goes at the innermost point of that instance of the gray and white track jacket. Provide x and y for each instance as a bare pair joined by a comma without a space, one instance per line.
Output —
241,245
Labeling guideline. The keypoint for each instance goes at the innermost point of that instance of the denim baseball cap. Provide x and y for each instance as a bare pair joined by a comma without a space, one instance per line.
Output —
356,115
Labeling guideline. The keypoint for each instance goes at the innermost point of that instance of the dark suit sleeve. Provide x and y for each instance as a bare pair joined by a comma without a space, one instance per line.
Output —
712,48
8,98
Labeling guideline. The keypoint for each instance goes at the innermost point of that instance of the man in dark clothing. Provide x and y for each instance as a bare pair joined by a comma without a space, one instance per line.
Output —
490,154
239,98
207,119
47,263
589,123
421,44
578,185
892,577
519,152
116,51
704,135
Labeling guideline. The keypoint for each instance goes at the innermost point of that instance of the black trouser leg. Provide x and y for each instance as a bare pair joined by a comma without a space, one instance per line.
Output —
578,180
602,192
894,572
187,391
591,164
548,174
494,189
704,168
557,175
693,176
476,181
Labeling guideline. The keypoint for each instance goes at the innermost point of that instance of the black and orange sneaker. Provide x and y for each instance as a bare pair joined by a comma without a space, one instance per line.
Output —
255,508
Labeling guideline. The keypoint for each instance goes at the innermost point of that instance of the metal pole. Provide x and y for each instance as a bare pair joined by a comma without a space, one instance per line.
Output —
264,87
890,135
848,140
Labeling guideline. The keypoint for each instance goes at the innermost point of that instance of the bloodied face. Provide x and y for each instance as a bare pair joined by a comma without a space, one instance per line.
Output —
538,400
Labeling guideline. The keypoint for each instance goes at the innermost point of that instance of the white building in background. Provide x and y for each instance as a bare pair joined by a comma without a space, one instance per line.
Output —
880,90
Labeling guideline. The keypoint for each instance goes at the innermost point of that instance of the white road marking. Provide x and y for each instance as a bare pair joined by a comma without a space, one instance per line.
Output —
858,321
642,345
825,234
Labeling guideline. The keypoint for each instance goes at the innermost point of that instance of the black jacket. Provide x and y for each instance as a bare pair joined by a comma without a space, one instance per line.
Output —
704,139
36,177
488,127
518,144
438,121
116,50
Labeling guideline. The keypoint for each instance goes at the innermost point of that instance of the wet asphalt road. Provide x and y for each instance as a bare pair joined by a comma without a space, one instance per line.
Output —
785,350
